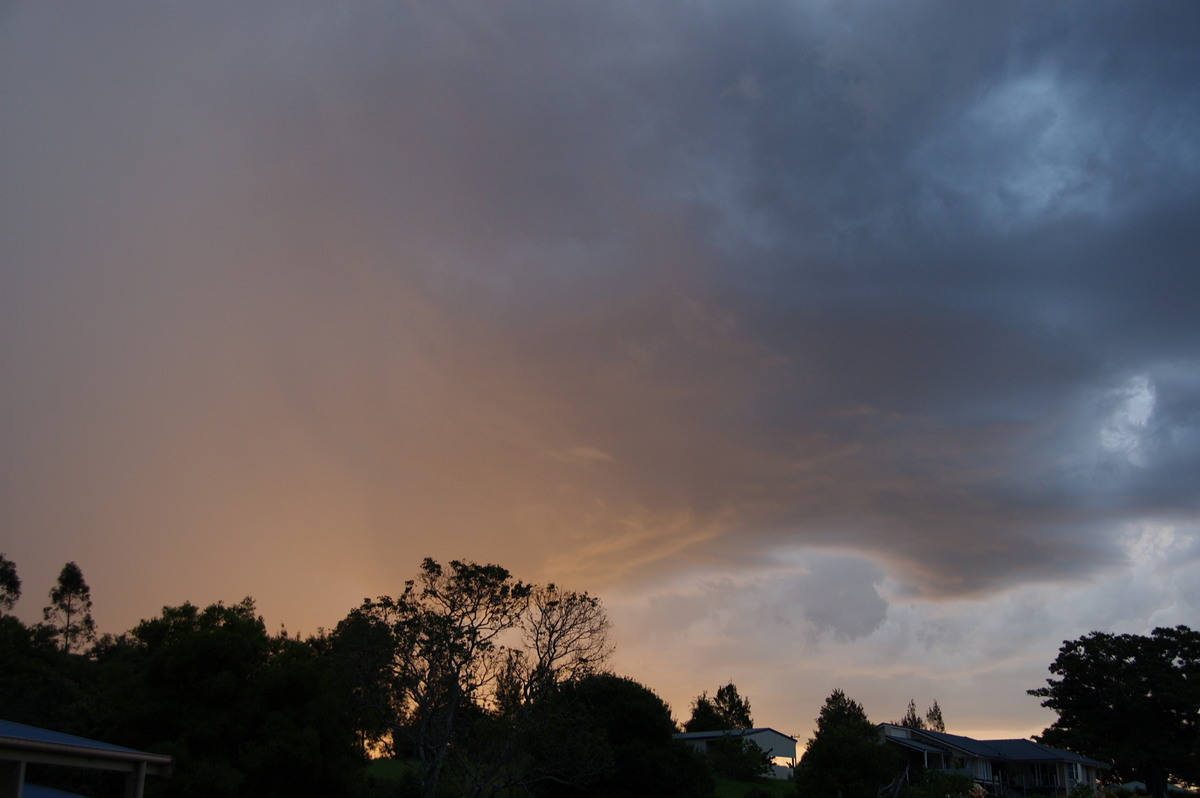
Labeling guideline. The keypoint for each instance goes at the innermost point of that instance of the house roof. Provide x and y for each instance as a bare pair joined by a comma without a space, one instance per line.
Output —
34,744
1001,750
714,735
967,745
1030,751
917,745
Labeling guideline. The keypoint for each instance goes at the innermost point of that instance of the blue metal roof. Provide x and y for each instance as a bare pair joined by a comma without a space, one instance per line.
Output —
1001,750
19,731
967,744
1030,751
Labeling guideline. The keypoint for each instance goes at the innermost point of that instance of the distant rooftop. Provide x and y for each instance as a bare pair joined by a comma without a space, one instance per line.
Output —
731,732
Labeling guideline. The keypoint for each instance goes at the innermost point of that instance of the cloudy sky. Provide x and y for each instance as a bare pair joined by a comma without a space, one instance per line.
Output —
832,344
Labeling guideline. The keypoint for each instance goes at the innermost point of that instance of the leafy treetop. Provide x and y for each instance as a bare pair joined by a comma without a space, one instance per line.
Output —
727,710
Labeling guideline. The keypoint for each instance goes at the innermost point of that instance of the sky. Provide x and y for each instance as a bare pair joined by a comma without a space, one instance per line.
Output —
832,344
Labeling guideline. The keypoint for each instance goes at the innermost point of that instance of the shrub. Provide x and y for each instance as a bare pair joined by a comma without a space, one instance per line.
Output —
936,784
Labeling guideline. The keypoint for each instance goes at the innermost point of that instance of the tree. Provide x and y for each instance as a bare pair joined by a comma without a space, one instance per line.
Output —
737,758
242,711
635,727
10,585
933,718
447,626
70,610
364,650
1130,700
444,681
940,784
845,756
564,638
727,710
911,719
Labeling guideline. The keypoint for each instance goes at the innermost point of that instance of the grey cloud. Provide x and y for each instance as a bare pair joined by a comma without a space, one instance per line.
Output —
858,277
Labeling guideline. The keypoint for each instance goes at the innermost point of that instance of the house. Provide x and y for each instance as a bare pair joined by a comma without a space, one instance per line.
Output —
777,745
1010,768
21,745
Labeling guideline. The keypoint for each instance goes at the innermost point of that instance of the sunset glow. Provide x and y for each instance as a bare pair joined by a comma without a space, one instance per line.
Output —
832,345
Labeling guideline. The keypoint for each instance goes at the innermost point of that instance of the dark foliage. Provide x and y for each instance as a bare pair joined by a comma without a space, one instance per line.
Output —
636,727
10,584
738,758
726,711
845,757
1132,701
911,719
936,784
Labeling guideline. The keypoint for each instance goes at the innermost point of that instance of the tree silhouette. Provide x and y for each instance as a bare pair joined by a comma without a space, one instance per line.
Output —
70,610
933,718
911,719
1130,700
725,711
845,756
10,584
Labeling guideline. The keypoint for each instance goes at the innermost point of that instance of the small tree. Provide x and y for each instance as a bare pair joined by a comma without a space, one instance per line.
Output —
70,610
933,718
10,585
738,758
938,784
911,719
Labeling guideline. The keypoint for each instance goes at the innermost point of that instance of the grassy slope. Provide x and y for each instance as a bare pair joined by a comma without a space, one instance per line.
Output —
738,789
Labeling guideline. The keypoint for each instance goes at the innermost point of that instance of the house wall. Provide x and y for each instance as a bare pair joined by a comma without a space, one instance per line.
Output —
777,745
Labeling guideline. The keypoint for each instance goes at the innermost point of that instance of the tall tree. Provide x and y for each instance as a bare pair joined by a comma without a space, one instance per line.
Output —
725,711
448,625
564,638
70,610
1130,700
933,718
461,665
845,756
10,585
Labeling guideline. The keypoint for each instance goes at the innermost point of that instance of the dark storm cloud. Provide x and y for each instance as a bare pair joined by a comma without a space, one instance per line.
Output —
656,286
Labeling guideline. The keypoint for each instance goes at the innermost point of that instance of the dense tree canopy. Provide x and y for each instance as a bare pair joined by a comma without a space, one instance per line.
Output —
242,711
497,682
1130,700
635,727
